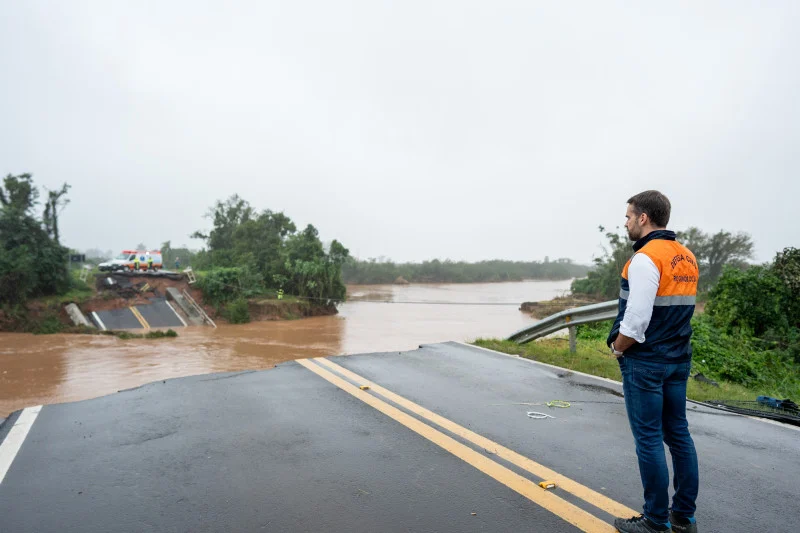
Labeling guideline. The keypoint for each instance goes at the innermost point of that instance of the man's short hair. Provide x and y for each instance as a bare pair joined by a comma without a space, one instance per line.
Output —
654,204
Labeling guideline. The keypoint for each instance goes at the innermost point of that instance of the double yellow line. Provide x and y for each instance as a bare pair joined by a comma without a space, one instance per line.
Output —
139,317
522,485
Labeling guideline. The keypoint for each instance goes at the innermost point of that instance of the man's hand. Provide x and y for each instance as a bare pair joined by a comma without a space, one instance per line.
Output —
622,343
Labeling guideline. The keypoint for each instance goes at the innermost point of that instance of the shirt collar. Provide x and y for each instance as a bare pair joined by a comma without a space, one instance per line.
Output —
663,234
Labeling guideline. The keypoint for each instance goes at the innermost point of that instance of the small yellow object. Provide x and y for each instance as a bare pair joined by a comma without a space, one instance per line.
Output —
547,484
364,387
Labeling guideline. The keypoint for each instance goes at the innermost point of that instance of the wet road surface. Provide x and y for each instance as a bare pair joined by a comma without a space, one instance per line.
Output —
439,441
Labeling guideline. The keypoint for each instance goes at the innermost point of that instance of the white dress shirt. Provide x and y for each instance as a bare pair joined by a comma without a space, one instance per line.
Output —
643,280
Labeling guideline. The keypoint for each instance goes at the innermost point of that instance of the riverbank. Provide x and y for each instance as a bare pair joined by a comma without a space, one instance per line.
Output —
556,305
48,315
288,308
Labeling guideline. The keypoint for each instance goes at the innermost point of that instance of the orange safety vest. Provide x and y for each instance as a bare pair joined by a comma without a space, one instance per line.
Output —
670,330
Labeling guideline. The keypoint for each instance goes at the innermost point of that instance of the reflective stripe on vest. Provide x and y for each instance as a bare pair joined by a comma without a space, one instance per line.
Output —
661,301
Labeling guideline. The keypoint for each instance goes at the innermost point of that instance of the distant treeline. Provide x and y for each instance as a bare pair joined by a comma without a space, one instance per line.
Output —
377,272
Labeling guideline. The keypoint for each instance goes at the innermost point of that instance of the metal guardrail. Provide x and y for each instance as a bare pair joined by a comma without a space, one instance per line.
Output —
567,319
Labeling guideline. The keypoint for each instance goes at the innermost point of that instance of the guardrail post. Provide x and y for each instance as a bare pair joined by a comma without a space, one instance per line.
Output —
573,339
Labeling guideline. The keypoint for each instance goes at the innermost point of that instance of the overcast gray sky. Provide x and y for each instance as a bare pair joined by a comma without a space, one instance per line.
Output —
411,130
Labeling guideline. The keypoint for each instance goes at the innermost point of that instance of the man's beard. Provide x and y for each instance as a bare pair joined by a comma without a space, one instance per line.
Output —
634,236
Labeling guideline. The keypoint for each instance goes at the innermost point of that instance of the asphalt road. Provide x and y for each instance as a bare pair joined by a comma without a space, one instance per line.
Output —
118,319
159,315
154,315
440,441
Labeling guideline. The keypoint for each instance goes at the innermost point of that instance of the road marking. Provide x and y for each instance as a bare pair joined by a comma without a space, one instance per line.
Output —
16,436
539,363
177,315
99,322
562,508
585,493
139,317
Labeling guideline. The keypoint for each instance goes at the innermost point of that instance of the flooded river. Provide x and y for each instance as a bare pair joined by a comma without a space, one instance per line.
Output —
377,318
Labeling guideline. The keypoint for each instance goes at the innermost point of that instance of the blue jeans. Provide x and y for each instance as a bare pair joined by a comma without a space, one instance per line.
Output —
655,399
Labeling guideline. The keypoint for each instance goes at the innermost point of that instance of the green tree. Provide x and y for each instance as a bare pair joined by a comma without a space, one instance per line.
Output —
32,262
335,260
18,194
311,272
715,252
262,238
787,267
305,246
226,216
268,246
56,201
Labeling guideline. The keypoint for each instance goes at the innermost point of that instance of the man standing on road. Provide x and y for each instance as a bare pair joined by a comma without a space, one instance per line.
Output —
650,339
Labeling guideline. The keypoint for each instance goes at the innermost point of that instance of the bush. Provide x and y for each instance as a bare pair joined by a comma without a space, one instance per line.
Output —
126,335
742,358
17,279
76,284
738,357
161,334
597,331
48,325
223,285
753,300
720,354
237,312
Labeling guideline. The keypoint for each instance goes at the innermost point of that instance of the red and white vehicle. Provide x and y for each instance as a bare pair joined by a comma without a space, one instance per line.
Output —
125,261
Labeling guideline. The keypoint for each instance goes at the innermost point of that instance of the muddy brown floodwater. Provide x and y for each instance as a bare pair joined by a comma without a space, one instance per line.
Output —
42,369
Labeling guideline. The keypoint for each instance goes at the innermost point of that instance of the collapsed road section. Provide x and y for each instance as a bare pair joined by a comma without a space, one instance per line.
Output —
149,300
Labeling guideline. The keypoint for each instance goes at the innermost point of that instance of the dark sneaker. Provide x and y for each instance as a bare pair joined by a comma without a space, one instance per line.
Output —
638,524
681,524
